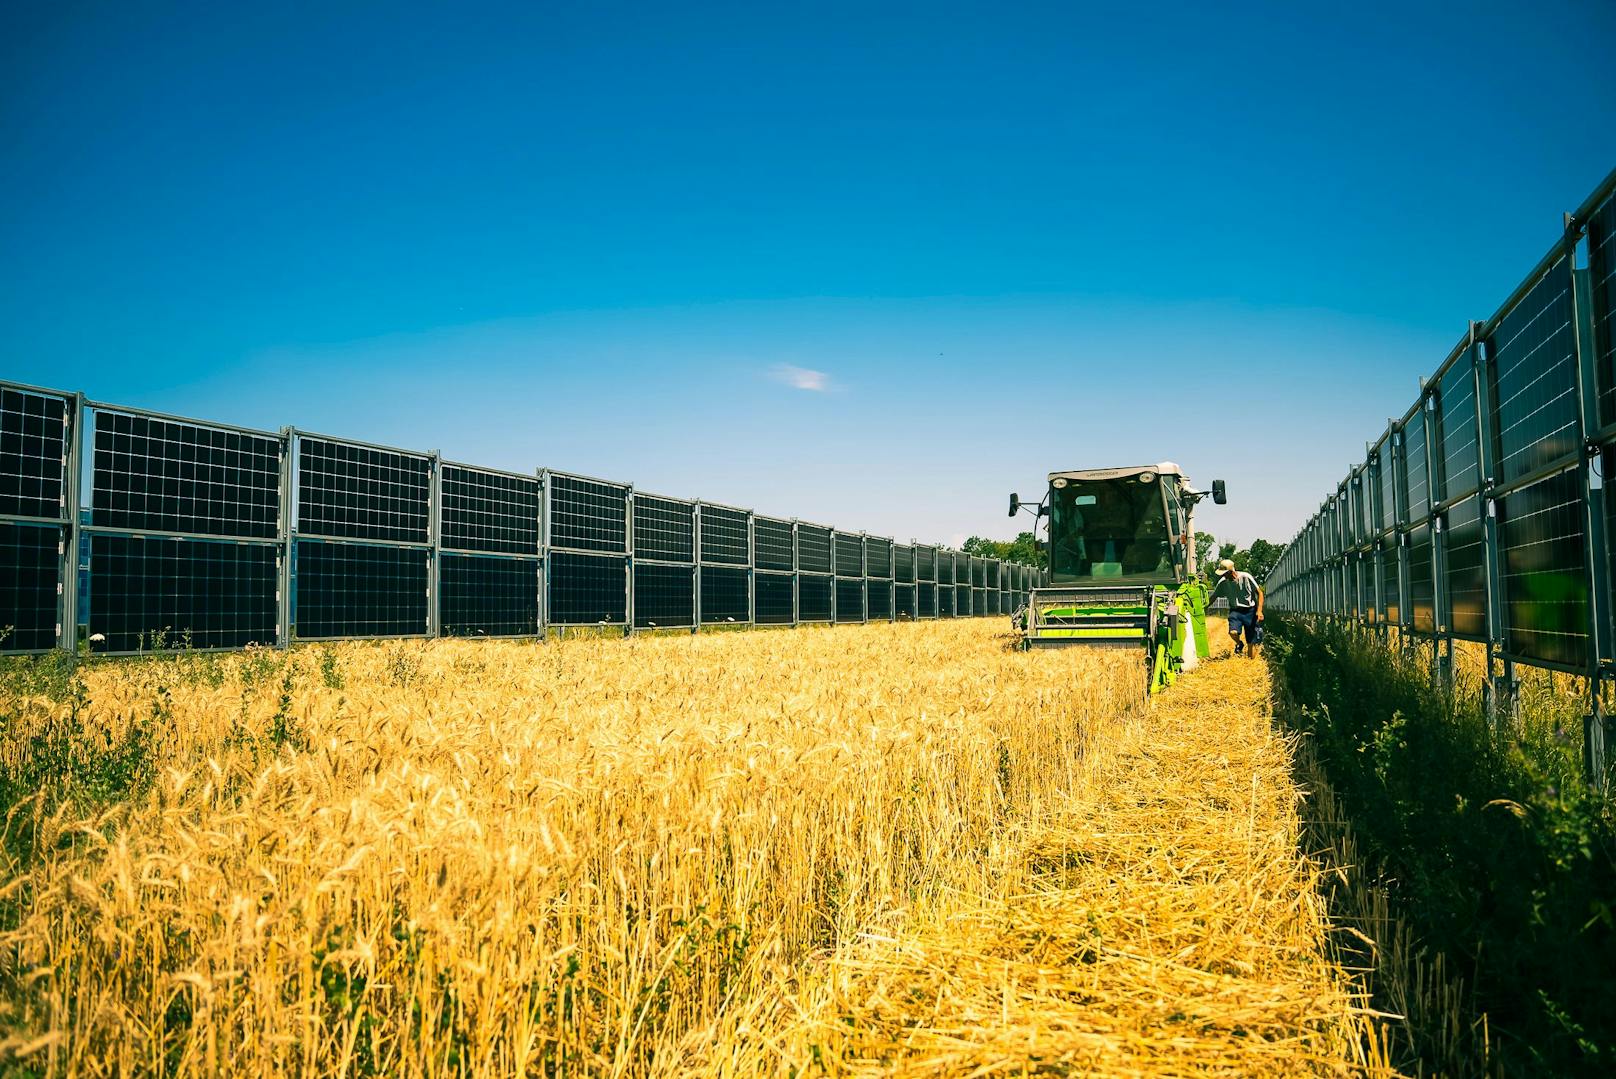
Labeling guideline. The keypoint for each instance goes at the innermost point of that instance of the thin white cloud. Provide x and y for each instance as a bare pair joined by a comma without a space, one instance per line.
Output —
800,378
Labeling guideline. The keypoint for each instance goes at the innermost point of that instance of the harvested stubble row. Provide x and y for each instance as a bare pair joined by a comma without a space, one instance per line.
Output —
886,847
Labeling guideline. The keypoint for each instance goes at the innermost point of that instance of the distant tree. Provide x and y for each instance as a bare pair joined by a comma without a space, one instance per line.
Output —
1206,552
1023,549
1261,558
1258,560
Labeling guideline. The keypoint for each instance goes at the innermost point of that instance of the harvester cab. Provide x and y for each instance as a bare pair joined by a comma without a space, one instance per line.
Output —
1122,567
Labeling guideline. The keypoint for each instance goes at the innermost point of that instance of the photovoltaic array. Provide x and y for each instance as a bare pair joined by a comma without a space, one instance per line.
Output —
204,535
1485,512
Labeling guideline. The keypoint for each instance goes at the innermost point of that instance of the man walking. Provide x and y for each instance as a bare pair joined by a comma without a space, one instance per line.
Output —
1245,598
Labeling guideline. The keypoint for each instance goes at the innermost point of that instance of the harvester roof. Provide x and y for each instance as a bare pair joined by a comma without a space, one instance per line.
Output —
1167,468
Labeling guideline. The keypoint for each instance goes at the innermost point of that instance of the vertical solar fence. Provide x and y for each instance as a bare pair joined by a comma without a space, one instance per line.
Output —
132,531
184,534
362,556
774,577
586,527
1481,514
878,585
725,548
903,582
847,557
664,571
945,583
490,575
925,581
36,518
816,596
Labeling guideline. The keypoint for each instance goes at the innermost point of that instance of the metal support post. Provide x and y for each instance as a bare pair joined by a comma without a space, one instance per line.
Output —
67,625
796,575
434,527
286,539
1595,547
628,561
544,554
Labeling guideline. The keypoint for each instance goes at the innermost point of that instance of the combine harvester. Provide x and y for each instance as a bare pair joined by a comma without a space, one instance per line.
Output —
1121,567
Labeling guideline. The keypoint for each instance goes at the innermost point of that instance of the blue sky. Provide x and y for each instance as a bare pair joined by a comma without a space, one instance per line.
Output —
1000,239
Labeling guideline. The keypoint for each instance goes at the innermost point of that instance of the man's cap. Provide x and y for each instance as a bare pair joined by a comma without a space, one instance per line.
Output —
1225,567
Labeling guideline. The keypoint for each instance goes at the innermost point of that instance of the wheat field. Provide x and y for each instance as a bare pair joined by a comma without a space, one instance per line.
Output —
889,848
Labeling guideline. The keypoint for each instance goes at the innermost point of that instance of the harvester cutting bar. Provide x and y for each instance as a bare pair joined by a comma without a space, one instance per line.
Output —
1089,617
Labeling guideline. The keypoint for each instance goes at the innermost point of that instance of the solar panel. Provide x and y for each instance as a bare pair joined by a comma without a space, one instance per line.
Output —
725,596
488,597
926,563
813,550
30,574
878,600
489,511
849,555
1391,600
773,598
979,602
877,557
664,531
978,573
776,549
1602,293
813,595
587,515
945,567
1421,586
903,564
903,601
350,491
926,600
664,595
1466,569
1545,570
359,590
850,599
1386,487
148,592
945,601
587,589
726,536
1417,490
33,453
1533,365
962,601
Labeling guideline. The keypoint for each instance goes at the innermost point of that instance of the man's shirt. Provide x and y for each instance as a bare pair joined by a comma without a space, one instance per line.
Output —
1241,589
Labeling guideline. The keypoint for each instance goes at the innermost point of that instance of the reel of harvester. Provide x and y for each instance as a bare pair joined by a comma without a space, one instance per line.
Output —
1121,568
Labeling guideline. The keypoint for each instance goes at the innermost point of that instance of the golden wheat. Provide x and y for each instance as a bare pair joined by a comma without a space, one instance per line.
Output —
660,855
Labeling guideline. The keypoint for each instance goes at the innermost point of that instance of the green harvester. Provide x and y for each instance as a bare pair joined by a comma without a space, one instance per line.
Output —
1122,567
